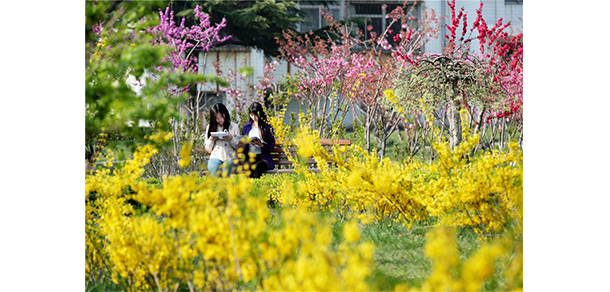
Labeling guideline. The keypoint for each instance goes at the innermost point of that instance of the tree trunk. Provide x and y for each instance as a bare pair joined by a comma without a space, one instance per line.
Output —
383,145
323,118
455,126
502,134
367,131
479,124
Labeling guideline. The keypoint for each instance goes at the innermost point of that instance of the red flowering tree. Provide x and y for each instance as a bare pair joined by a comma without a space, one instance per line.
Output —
487,83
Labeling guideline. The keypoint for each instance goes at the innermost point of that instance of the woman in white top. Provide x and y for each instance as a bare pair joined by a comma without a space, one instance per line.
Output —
222,145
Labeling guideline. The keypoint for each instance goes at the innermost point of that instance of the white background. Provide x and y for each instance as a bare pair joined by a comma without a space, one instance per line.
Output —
567,182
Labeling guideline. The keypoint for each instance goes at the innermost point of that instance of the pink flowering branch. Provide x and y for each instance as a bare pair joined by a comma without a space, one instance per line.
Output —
183,41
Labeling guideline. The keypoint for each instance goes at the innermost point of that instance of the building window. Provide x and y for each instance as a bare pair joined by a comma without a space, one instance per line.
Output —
314,19
368,9
374,14
204,99
371,15
207,99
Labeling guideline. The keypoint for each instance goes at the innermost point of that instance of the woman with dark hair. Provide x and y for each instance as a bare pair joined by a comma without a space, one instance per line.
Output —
221,140
260,134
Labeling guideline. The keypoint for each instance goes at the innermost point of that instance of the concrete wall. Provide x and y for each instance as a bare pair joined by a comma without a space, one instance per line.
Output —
229,59
238,57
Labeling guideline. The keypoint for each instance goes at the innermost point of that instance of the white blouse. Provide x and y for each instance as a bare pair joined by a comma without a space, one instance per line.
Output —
255,132
221,148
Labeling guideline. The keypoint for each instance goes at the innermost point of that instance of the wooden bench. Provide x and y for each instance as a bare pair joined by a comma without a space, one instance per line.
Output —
284,165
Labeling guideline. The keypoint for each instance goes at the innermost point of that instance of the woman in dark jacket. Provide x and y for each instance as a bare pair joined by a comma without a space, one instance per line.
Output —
260,134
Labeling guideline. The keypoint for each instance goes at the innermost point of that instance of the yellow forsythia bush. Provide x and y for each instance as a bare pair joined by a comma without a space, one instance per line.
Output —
219,234
211,234
483,191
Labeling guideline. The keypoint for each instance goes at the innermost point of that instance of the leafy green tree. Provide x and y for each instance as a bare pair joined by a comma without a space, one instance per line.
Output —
117,45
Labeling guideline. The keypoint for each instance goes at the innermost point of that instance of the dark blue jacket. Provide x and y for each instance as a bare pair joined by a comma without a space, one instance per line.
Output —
267,133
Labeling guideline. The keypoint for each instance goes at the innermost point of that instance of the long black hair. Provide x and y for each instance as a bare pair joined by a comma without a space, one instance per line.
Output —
257,109
214,110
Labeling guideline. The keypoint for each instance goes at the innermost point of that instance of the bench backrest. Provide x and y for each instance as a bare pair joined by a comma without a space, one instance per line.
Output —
281,161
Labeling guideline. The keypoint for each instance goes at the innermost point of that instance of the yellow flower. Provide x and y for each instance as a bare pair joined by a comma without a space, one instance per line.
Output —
480,266
513,145
351,231
389,93
219,233
161,137
185,154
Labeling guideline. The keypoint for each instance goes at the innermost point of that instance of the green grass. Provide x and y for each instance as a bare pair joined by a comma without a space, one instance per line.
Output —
101,285
399,253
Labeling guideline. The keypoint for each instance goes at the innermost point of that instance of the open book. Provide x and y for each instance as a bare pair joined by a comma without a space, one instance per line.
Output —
257,139
220,135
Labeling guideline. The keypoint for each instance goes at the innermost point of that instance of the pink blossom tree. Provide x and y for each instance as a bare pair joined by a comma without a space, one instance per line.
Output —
322,78
346,72
184,43
240,91
372,103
